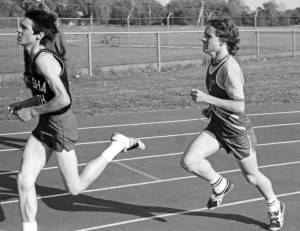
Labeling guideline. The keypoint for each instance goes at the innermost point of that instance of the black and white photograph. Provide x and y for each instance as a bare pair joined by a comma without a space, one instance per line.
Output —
149,115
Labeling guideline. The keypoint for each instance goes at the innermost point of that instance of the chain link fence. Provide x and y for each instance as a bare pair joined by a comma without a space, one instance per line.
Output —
88,51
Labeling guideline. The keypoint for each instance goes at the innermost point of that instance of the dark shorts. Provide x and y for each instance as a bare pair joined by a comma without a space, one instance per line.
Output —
240,145
59,132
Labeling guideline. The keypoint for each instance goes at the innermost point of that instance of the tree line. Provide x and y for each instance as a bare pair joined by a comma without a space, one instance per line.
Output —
151,12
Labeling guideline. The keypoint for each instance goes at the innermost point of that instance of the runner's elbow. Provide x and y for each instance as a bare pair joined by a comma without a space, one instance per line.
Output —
240,108
65,101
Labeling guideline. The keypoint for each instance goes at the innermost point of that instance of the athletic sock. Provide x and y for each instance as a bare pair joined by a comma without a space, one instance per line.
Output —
273,205
219,184
30,226
114,149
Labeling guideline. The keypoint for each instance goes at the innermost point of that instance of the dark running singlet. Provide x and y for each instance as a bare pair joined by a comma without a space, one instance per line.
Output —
227,123
40,86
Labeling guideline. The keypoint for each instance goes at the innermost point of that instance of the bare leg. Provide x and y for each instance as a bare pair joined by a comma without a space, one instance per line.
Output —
34,159
276,209
67,161
194,160
250,170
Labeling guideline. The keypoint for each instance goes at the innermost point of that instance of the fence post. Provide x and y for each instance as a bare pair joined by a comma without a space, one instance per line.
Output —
158,50
89,35
128,26
168,26
257,45
294,42
18,23
92,22
18,26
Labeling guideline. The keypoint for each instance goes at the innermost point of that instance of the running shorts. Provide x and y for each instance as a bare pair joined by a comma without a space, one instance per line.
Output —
59,132
240,145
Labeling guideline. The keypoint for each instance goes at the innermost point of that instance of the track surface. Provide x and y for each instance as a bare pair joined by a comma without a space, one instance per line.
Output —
147,190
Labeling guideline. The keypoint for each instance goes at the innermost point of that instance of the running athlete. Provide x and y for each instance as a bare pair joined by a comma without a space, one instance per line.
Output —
229,127
56,131
57,44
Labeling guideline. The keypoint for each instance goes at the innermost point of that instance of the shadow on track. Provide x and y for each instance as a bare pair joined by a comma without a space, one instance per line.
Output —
13,142
8,191
92,204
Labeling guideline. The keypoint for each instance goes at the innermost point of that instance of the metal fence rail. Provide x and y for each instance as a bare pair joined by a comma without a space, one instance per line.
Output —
90,51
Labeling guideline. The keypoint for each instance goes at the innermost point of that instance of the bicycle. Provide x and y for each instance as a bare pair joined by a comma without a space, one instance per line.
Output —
110,40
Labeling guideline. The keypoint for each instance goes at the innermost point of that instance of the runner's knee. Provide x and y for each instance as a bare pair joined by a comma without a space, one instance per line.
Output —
74,190
182,163
251,179
190,164
25,182
186,163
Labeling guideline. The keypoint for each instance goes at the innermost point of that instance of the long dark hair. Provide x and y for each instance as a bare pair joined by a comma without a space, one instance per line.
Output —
228,32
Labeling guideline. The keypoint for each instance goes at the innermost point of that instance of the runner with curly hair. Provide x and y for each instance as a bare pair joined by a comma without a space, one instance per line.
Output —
229,127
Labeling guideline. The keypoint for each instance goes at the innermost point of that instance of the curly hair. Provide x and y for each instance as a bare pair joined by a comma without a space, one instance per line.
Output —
228,32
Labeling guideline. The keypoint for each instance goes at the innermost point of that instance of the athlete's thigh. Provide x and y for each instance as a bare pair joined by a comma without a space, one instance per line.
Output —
68,166
35,157
201,147
249,164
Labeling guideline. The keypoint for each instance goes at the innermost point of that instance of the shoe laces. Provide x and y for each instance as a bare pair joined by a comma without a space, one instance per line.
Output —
274,217
216,197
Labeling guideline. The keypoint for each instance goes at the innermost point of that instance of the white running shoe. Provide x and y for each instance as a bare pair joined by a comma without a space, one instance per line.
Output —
128,142
215,199
277,218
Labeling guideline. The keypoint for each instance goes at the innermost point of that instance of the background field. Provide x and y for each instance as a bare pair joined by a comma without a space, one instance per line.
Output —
139,47
273,80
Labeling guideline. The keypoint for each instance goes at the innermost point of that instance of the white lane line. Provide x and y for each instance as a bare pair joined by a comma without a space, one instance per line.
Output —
118,160
145,123
282,142
9,194
273,113
151,137
276,125
194,133
156,137
138,171
11,149
146,183
14,133
157,122
160,155
181,212
149,157
120,125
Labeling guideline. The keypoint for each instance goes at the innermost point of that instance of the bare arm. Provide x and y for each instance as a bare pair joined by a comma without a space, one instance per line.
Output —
232,80
230,105
50,68
34,101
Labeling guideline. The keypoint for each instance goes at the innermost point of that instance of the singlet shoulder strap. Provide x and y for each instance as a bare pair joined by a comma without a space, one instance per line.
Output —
53,53
215,69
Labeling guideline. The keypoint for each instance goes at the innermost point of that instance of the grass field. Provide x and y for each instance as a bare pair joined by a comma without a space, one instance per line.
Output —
273,80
